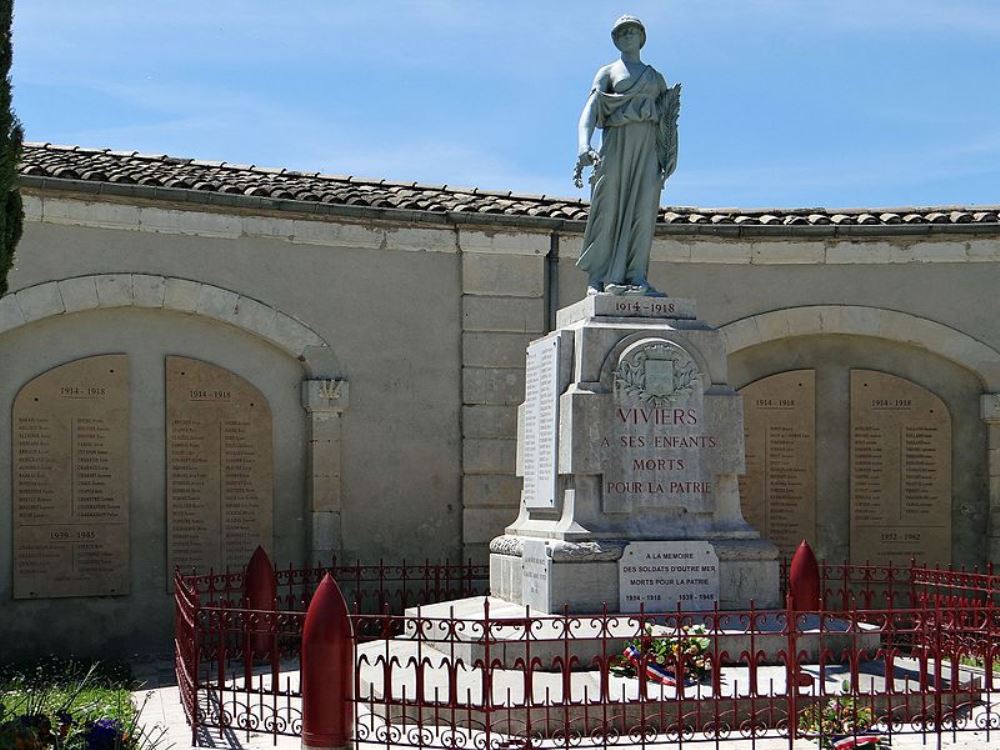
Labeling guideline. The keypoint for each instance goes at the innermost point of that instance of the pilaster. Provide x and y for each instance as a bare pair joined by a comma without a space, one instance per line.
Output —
324,401
989,410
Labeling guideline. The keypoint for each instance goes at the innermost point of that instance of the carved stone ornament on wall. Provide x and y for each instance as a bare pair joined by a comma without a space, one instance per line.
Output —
660,374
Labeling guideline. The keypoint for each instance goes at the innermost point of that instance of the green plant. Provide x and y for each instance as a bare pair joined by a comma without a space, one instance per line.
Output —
837,719
663,653
64,705
11,137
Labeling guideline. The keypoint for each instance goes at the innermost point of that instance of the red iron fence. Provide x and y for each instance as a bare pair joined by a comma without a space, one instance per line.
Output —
890,652
238,667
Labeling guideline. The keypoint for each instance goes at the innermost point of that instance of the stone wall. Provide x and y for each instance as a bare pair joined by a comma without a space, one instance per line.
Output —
503,308
392,355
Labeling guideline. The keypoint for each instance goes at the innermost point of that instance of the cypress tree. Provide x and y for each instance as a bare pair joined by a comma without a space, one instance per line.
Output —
11,135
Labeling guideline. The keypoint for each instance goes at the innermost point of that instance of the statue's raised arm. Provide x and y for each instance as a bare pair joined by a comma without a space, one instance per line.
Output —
637,114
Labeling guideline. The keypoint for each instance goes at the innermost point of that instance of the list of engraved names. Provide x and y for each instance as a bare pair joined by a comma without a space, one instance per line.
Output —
71,480
219,467
900,471
778,491
541,423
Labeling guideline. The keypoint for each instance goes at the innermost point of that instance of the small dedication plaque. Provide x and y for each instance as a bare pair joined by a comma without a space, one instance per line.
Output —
778,491
71,481
661,575
900,472
539,450
536,567
220,473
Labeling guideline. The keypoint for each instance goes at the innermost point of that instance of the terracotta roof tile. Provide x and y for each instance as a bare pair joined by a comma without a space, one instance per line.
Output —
46,160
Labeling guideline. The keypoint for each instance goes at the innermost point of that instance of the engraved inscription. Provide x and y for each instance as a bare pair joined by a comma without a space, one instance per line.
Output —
220,472
644,307
71,481
900,471
778,491
655,447
536,568
660,575
541,423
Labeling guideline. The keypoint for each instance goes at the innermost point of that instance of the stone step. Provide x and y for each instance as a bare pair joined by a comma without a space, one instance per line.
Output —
457,628
452,692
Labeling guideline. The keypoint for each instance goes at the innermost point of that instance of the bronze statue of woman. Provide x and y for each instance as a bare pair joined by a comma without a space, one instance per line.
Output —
637,113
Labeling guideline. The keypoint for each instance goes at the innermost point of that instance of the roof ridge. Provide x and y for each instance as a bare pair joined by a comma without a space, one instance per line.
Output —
69,162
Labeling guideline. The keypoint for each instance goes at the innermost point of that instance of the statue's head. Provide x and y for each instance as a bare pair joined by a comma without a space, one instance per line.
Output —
625,26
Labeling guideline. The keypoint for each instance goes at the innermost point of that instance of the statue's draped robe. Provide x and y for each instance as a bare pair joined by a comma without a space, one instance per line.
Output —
625,196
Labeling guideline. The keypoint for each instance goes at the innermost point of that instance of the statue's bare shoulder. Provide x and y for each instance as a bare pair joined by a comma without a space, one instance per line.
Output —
602,81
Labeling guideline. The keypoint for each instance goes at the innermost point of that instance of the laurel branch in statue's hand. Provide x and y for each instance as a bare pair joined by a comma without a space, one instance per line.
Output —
585,159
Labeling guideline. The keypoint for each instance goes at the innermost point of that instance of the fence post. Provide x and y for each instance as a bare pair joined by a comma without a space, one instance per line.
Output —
260,592
327,670
803,579
803,596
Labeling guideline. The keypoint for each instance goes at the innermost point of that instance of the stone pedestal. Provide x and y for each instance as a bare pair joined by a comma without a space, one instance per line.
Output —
631,433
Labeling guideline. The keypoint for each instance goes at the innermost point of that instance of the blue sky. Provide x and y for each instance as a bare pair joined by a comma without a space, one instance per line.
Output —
833,103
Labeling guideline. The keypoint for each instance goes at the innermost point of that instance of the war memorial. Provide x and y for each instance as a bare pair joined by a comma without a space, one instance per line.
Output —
595,411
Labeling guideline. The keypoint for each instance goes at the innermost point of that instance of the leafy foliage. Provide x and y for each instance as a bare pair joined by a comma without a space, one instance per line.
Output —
835,718
689,647
11,137
65,705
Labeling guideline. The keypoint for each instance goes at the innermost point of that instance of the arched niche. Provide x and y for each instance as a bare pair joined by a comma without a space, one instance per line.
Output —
832,358
140,621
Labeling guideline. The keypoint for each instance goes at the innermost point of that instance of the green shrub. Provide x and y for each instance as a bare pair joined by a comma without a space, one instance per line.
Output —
67,705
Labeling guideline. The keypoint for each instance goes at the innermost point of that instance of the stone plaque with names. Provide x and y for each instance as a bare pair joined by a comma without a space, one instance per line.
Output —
900,471
778,491
536,571
661,575
71,481
220,467
539,451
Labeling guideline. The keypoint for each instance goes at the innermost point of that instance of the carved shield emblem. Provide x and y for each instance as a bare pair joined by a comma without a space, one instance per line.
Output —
659,380
655,372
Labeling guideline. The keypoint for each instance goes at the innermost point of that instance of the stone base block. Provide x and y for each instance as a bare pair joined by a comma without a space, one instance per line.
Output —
748,572
572,587
581,578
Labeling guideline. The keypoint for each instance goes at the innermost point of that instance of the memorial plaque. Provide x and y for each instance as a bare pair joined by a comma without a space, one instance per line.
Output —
657,448
536,571
661,575
220,467
539,450
778,491
900,471
71,481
